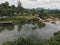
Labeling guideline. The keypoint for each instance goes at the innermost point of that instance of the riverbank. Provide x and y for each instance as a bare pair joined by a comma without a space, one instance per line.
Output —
22,19
28,30
48,20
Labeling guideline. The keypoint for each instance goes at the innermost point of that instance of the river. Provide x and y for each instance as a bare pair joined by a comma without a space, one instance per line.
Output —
27,31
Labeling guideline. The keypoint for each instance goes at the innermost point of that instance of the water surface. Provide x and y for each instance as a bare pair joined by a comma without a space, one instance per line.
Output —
27,31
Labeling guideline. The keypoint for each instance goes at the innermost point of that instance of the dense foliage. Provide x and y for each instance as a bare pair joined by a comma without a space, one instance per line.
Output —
7,10
41,25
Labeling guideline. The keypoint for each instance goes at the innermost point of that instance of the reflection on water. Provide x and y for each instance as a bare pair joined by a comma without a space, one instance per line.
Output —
6,26
20,26
26,30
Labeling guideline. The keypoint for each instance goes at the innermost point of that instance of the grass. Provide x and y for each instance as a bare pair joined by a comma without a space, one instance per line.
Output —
17,19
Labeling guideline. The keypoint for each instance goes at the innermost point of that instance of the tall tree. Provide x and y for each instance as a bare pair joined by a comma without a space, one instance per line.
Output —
19,7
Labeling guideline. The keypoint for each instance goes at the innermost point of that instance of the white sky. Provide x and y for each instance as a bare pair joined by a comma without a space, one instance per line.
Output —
36,3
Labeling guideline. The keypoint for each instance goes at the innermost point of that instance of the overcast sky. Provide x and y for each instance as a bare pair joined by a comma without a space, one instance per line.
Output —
36,3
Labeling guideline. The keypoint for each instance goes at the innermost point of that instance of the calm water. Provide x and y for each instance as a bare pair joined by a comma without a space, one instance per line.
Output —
27,30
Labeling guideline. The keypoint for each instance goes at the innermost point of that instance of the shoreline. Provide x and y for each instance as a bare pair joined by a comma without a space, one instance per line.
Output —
27,19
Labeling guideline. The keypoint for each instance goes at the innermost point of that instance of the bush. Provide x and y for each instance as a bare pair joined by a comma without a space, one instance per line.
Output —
41,25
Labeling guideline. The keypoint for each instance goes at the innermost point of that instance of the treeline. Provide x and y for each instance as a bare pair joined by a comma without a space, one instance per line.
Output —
44,13
25,41
7,10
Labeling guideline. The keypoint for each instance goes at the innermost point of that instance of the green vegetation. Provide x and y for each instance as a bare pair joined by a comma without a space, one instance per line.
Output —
41,25
18,20
25,41
14,12
10,10
21,15
54,40
9,43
